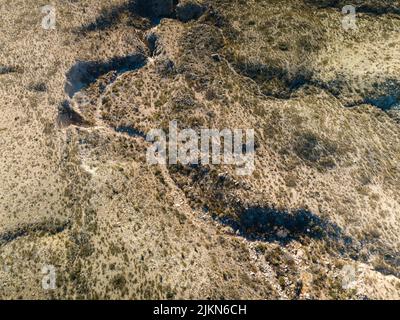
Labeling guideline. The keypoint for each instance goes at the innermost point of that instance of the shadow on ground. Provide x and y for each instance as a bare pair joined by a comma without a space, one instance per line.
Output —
84,73
267,224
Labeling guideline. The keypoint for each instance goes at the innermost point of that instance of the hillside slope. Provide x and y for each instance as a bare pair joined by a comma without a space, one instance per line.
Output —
76,190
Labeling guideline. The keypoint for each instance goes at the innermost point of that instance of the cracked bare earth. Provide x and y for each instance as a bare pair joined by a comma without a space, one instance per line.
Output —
78,194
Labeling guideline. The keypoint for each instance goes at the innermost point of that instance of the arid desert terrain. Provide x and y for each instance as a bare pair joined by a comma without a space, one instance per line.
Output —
84,215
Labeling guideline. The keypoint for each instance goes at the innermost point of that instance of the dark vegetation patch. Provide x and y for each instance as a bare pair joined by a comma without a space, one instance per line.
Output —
119,282
165,68
79,248
50,227
273,80
199,44
131,131
9,69
80,245
184,101
201,41
38,87
315,150
208,190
